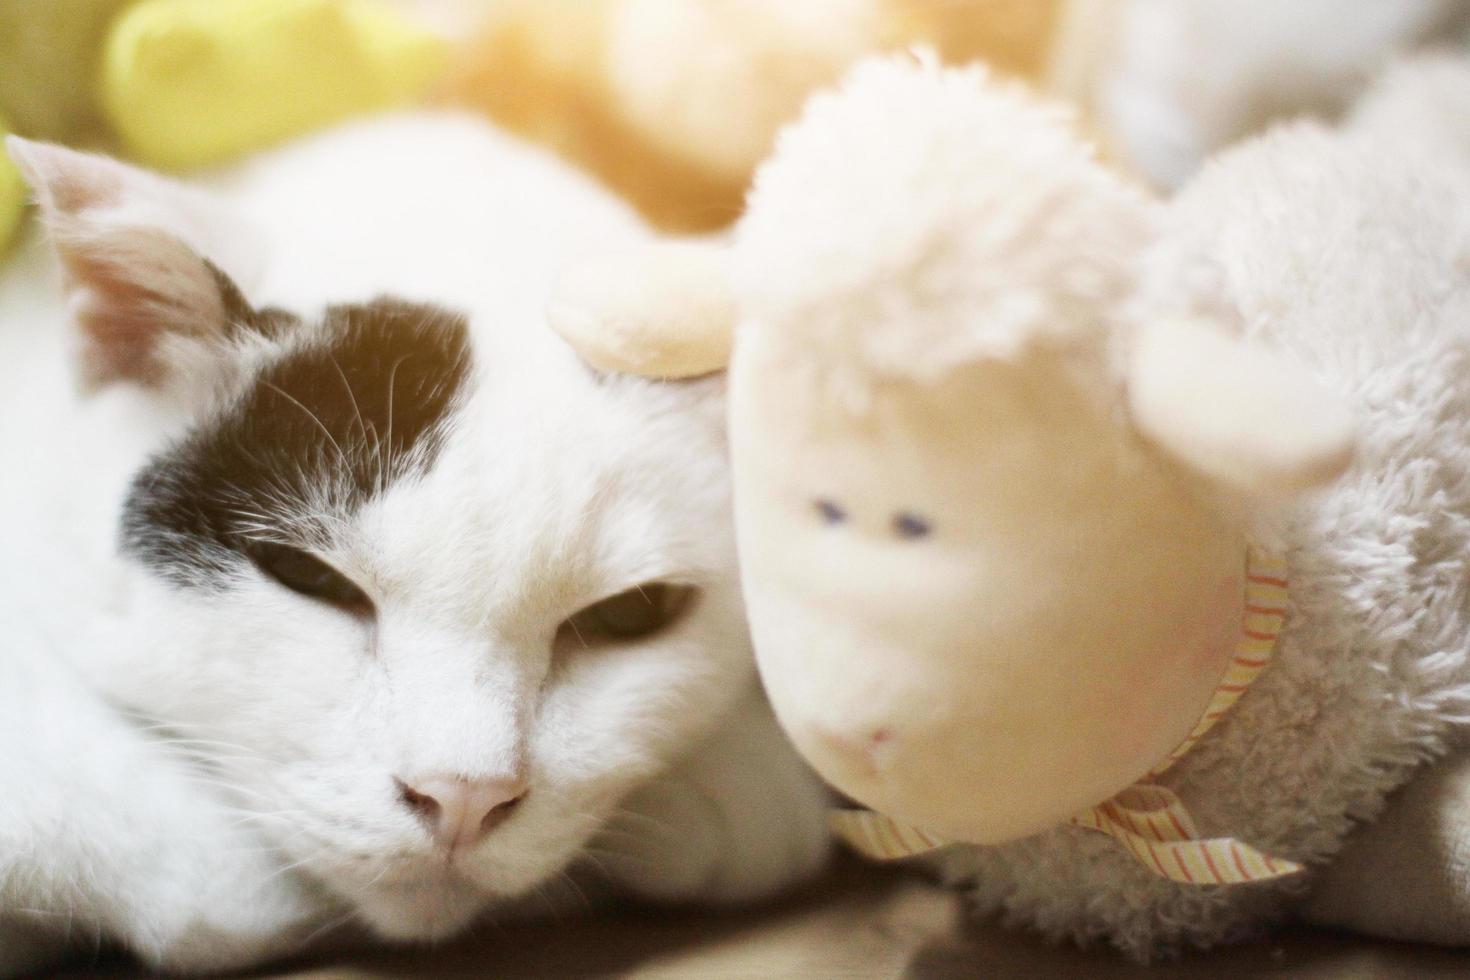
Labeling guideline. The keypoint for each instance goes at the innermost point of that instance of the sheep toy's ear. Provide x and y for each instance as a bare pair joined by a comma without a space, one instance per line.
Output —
660,311
1235,412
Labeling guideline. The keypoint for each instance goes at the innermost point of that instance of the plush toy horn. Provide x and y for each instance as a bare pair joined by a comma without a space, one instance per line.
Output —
660,311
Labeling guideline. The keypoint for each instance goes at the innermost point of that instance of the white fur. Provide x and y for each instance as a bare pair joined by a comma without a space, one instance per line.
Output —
1349,252
1193,76
902,305
207,780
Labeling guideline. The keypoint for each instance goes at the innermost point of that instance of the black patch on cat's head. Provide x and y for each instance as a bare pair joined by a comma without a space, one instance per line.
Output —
357,402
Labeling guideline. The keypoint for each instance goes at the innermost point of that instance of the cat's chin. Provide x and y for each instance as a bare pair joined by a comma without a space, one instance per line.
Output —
422,909
423,897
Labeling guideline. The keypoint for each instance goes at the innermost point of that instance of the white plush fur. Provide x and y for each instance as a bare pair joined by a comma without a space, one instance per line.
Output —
889,287
1190,77
1336,249
1332,249
1348,253
207,779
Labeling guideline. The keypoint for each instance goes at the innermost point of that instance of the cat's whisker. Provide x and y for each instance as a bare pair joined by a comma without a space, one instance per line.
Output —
279,816
639,860
594,856
653,822
382,873
347,387
330,926
310,414
178,735
571,883
294,865
48,913
386,461
540,893
206,751
234,788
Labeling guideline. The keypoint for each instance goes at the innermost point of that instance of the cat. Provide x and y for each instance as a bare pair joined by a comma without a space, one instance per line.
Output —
337,593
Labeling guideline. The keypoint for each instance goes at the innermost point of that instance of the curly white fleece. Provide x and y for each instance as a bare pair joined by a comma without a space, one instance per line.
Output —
1351,251
901,252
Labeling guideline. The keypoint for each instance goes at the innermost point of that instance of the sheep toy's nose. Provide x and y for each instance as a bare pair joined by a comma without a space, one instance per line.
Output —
459,813
870,750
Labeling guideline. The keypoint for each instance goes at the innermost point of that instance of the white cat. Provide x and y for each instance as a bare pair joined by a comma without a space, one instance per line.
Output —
334,588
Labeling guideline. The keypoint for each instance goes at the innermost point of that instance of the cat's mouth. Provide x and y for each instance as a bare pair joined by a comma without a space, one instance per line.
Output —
424,905
420,870
419,897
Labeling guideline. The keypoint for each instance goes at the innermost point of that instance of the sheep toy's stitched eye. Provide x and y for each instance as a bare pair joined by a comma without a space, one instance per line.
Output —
830,512
911,526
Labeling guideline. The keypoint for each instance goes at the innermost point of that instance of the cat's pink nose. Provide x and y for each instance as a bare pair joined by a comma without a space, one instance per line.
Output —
460,812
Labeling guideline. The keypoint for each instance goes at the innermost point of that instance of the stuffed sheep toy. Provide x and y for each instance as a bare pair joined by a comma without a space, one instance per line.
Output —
1113,551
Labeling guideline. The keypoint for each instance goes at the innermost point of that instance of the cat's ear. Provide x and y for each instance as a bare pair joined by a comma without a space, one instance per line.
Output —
143,261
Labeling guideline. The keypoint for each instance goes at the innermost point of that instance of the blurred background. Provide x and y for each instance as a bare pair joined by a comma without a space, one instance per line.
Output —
673,103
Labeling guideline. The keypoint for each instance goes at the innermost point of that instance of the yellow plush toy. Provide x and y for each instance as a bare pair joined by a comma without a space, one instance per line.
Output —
48,64
193,82
674,104
196,82
12,196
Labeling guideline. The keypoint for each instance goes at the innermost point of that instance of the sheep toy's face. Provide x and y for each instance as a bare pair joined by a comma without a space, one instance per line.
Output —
956,622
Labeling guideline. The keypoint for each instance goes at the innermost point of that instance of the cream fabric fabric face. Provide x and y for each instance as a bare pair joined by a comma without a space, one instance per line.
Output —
942,610
1147,818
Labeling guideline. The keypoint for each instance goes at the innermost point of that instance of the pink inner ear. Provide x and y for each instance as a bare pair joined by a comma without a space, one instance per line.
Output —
130,288
72,191
65,181
131,278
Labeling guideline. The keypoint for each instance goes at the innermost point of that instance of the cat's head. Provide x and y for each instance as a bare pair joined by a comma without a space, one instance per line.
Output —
425,595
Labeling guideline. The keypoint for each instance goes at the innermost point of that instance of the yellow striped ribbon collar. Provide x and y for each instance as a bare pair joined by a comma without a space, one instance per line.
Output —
1149,819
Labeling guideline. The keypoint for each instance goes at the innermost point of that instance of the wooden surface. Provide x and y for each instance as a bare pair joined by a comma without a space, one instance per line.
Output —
858,923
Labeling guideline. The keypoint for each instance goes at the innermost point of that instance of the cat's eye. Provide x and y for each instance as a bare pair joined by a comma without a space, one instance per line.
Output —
635,614
308,575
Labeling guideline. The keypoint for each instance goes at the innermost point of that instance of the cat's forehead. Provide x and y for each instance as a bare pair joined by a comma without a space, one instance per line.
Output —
347,406
410,436
555,477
